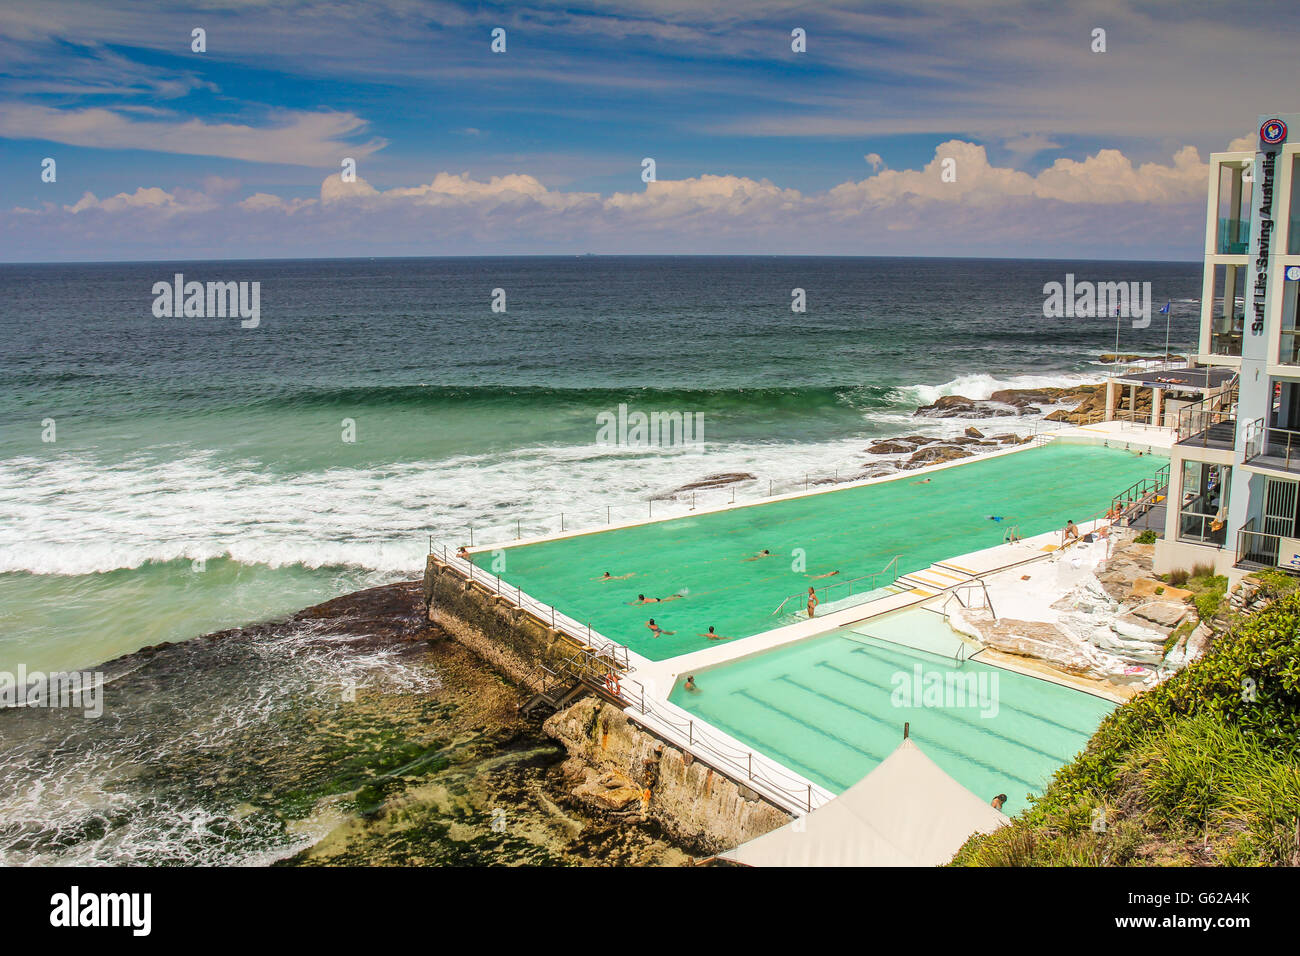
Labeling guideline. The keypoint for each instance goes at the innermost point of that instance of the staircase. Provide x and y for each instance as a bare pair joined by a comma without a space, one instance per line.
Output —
935,579
586,671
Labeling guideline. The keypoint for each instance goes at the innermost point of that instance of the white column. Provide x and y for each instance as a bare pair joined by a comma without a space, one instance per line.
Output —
1157,394
1112,392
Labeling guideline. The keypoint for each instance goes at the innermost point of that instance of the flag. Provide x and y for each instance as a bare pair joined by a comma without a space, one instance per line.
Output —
1165,310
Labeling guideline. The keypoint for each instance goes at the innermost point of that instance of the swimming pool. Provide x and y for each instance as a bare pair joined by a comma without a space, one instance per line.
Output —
833,707
852,531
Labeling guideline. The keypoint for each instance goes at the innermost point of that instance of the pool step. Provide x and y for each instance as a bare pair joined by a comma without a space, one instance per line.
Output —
935,579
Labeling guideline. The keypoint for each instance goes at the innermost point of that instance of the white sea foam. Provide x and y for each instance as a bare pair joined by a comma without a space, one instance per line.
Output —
982,386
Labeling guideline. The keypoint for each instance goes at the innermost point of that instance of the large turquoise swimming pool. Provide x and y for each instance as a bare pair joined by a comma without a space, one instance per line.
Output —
834,707
853,531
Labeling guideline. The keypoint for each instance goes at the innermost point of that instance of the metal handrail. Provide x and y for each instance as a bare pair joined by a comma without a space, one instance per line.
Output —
892,563
1259,443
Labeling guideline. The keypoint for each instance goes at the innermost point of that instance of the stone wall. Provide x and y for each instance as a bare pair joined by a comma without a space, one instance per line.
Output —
622,767
507,638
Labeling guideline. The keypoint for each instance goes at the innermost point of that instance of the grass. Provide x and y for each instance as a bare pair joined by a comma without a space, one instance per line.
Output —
1203,769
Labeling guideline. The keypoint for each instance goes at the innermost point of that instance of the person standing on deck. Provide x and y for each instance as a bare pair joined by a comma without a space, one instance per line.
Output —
812,601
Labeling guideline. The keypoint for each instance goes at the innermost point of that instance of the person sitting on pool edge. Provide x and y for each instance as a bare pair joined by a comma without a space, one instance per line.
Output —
1071,531
656,630
998,801
642,599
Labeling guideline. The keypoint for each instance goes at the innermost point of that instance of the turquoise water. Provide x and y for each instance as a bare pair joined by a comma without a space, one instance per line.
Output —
832,708
853,531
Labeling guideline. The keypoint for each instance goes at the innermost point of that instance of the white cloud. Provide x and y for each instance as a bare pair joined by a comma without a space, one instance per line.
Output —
1104,199
295,138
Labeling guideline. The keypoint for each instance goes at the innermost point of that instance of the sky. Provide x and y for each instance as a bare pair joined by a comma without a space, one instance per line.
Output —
1053,149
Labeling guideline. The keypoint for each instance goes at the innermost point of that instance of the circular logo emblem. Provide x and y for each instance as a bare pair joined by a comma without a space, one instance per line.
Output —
1293,273
1273,132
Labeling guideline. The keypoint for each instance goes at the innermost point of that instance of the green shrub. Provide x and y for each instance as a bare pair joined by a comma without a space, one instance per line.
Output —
1275,582
1146,537
1176,578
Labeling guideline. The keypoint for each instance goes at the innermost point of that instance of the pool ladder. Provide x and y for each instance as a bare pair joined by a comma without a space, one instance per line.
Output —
955,595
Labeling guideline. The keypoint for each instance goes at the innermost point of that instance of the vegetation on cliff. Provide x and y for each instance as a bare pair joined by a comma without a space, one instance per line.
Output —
1204,769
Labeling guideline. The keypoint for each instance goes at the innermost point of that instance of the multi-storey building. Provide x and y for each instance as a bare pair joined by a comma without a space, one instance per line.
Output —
1234,477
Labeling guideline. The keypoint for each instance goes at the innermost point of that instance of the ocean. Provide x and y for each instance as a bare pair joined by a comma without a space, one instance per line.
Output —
165,478
199,474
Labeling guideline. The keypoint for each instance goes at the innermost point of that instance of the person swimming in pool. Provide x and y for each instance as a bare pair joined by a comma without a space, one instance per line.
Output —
994,517
690,685
714,636
827,574
923,481
760,554
656,630
609,577
642,599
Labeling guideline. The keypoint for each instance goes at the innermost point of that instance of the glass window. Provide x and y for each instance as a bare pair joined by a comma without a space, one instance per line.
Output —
1203,511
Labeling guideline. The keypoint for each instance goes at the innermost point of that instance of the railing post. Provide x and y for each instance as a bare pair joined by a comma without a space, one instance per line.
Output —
561,522
471,536
518,529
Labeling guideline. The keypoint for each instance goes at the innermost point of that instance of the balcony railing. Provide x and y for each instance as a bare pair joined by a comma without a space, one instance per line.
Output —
1271,447
1234,237
1258,548
1207,428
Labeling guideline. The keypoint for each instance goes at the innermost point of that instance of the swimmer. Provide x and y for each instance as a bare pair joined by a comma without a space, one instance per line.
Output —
690,685
998,801
828,574
812,601
462,552
655,629
609,577
760,554
994,517
714,636
923,481
642,599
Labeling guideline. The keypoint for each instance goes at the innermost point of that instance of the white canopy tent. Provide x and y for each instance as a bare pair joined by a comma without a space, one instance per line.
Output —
906,812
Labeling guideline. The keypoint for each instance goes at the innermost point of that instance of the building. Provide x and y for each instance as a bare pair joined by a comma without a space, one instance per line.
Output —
1234,479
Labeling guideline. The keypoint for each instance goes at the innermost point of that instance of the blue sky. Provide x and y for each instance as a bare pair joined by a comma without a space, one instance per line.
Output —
234,152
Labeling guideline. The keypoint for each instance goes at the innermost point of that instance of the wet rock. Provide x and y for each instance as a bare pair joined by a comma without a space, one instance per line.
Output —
973,432
959,406
893,446
709,481
935,454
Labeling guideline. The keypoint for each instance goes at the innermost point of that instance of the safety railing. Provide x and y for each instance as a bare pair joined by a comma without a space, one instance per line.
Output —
863,584
1141,496
544,613
729,757
1281,444
1256,547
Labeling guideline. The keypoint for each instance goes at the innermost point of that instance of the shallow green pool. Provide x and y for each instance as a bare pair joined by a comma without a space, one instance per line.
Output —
853,531
833,708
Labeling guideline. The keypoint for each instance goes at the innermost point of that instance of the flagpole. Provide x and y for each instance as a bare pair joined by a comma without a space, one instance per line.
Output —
1169,316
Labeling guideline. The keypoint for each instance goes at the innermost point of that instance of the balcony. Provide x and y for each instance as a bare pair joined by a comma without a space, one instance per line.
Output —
1293,239
1227,343
1234,237
1204,428
1274,448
